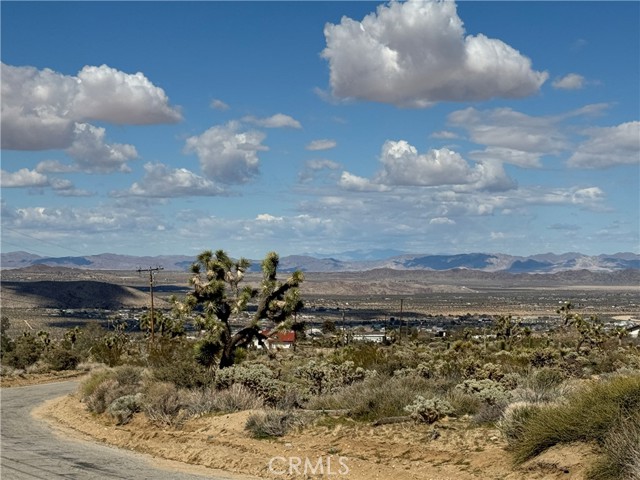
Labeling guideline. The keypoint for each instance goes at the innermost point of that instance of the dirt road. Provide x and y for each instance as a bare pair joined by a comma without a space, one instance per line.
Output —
31,449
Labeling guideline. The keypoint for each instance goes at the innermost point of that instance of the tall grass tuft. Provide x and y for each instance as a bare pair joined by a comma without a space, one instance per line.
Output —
621,451
589,414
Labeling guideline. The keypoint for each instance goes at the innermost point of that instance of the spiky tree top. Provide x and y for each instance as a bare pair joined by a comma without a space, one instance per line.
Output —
216,287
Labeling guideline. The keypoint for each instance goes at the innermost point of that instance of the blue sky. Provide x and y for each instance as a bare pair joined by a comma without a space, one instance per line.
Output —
153,128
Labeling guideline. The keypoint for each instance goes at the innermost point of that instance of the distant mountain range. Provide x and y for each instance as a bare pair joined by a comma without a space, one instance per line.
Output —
353,262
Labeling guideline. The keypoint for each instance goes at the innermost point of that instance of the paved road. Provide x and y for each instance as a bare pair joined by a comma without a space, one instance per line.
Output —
31,450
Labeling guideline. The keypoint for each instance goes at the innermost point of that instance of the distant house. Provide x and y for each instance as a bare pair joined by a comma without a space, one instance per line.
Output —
314,332
278,340
376,337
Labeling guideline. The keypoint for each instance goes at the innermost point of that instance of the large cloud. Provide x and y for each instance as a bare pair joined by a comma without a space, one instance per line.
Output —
415,54
227,154
402,165
40,108
609,146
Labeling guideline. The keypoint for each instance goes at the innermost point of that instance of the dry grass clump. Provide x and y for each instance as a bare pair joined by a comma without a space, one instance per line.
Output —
236,398
271,423
164,404
376,397
591,414
621,450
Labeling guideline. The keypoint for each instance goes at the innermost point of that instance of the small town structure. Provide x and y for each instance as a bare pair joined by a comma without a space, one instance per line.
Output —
278,340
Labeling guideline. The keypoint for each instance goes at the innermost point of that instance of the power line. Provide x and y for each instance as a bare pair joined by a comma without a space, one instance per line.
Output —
43,241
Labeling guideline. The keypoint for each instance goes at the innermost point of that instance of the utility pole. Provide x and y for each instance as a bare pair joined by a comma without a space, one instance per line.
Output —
152,272
400,332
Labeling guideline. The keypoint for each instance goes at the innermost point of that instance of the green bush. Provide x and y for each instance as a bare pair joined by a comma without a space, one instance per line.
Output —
88,386
588,414
173,361
60,358
123,408
621,451
26,351
514,420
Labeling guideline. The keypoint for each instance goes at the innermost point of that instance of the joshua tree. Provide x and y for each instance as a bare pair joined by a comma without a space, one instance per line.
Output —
217,295
590,331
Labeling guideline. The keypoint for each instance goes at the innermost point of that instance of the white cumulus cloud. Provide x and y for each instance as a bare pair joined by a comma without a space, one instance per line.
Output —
23,178
228,154
93,155
40,108
404,166
279,120
441,221
218,104
348,181
415,53
571,81
160,181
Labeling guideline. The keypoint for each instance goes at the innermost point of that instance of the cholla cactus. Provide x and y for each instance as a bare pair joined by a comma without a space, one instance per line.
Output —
428,410
328,377
489,391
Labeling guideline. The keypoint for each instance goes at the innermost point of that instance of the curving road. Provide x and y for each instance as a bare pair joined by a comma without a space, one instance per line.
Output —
31,450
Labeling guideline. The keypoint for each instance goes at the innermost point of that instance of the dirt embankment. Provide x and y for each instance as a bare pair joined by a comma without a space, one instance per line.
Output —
452,450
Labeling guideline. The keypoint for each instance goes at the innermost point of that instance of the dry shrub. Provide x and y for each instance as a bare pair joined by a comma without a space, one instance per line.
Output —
105,386
97,377
102,395
236,398
271,423
164,404
376,397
